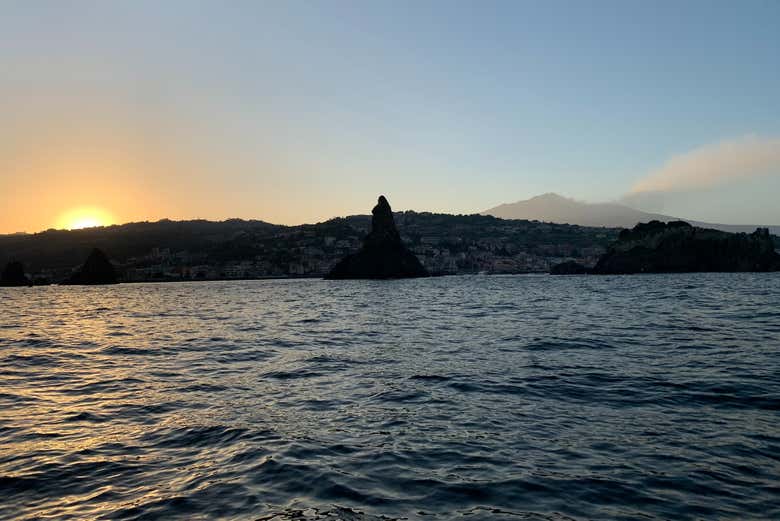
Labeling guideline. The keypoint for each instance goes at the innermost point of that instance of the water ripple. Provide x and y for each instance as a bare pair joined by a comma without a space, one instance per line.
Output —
519,397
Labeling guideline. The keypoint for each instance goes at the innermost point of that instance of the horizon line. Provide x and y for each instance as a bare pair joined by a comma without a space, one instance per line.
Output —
694,222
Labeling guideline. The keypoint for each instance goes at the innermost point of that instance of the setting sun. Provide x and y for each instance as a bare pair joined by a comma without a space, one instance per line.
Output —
84,217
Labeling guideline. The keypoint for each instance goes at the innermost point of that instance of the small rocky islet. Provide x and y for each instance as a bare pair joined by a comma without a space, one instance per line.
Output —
13,275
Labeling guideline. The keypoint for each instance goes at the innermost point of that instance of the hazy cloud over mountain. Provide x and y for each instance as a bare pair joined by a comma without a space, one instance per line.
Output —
713,165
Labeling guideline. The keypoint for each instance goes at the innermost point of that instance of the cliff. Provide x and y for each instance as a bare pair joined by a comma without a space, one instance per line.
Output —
676,247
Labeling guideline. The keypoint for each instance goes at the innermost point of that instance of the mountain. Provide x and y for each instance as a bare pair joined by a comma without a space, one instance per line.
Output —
558,209
554,208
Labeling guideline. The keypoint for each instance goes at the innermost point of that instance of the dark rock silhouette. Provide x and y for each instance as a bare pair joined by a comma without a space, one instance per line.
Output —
97,269
677,247
383,255
41,281
569,268
13,275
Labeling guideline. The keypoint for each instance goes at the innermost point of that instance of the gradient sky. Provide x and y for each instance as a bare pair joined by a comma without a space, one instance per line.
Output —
296,112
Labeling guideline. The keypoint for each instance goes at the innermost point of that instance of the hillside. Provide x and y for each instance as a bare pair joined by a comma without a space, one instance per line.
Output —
173,250
54,249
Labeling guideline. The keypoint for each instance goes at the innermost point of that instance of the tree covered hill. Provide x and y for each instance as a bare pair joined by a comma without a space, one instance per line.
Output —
68,248
237,248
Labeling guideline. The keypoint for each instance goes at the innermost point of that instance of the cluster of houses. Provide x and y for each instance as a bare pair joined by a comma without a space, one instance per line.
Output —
439,255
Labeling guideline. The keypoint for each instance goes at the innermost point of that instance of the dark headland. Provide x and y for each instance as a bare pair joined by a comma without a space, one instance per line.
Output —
678,247
383,255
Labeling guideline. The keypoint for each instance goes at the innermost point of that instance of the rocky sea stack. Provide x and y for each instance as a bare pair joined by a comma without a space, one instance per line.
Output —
13,275
569,268
383,255
97,269
678,247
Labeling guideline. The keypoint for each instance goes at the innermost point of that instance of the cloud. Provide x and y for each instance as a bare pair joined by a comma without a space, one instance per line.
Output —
712,165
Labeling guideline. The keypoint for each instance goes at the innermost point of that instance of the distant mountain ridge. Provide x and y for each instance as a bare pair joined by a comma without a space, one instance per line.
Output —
551,207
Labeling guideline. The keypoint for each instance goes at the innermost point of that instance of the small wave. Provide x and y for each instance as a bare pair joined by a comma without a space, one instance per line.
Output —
18,399
335,513
15,484
203,388
194,436
430,378
64,479
400,396
103,386
20,360
118,333
292,375
84,416
143,412
120,350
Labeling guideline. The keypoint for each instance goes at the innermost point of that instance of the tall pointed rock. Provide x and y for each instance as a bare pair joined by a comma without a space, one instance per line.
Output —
97,269
383,255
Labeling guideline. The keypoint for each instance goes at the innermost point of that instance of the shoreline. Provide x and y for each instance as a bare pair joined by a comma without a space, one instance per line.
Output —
438,275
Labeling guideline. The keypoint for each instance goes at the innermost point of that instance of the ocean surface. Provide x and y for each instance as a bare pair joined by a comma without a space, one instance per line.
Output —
470,397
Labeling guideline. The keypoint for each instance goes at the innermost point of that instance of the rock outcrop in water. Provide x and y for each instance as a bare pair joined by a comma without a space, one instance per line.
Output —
677,247
383,255
13,275
97,269
569,268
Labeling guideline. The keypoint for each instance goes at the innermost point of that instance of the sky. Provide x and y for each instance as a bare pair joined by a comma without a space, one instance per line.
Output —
295,112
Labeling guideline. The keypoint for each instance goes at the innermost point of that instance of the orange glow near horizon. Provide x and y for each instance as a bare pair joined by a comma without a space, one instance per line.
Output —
84,217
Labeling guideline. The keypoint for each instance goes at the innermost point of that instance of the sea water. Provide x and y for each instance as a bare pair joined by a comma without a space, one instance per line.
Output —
474,397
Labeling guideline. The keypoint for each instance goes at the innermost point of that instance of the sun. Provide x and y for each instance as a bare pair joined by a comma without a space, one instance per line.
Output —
84,217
